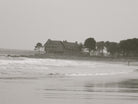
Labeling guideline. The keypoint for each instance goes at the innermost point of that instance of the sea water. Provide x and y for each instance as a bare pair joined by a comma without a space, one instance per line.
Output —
56,81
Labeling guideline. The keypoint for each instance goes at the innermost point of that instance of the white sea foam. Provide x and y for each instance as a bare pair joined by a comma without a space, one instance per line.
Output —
42,67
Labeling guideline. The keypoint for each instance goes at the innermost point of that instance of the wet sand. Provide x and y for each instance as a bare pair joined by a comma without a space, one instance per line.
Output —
69,91
26,82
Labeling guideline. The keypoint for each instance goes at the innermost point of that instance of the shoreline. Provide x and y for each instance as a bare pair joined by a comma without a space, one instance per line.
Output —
126,60
85,58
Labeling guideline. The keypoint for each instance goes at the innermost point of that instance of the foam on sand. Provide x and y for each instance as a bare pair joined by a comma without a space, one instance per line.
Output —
20,67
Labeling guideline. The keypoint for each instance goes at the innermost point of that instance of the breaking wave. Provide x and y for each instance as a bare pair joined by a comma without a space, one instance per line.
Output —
32,68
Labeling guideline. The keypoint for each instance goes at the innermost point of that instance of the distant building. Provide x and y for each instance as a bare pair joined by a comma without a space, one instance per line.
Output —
99,52
85,51
54,46
71,47
39,50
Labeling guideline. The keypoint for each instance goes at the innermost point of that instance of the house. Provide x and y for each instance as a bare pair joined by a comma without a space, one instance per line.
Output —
54,46
71,47
99,52
39,50
85,51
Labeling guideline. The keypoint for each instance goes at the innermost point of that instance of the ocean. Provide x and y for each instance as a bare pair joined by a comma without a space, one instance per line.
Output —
16,52
57,81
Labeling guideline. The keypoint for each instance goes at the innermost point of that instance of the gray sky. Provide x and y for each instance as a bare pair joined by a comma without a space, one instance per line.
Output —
23,23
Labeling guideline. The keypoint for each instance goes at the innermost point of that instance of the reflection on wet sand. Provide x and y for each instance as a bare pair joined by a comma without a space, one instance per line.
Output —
123,90
130,85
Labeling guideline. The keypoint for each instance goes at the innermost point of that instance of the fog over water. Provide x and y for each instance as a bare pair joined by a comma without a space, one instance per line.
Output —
55,81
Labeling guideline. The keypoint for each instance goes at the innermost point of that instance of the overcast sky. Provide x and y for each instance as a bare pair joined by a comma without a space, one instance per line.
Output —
23,23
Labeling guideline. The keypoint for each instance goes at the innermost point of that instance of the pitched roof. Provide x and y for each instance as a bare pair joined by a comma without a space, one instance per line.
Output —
53,42
70,45
65,44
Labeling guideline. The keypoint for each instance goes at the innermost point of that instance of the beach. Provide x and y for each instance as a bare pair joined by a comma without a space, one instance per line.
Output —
68,51
61,81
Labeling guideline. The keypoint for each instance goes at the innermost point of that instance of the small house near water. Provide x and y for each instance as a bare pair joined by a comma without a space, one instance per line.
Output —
55,46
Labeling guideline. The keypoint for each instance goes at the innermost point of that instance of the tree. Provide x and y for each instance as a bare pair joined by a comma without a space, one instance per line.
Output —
90,43
112,47
80,46
38,46
129,47
123,47
100,46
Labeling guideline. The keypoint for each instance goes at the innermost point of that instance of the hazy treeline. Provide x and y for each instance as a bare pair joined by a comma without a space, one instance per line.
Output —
128,47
